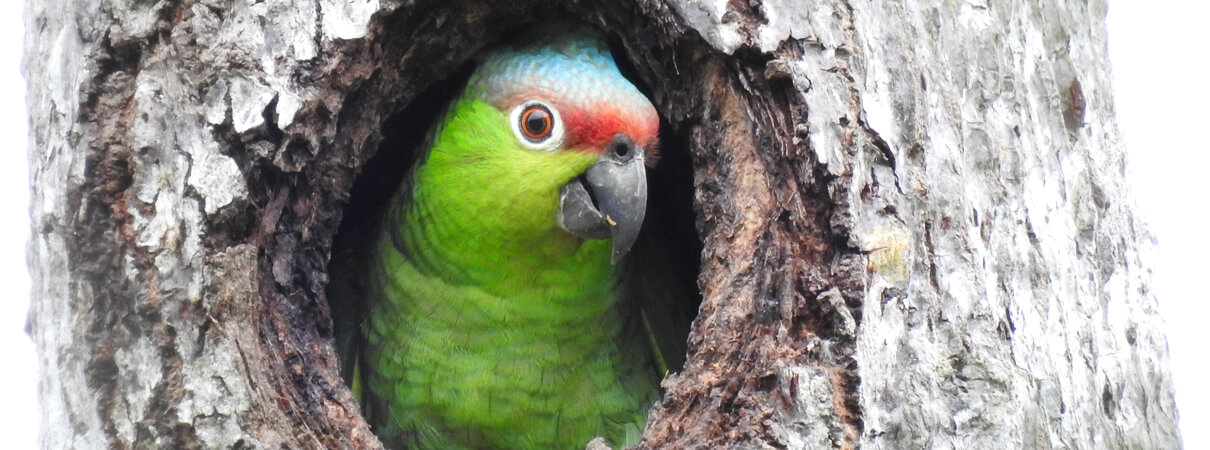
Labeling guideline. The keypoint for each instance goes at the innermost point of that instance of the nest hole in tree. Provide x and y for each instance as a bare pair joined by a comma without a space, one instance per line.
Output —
739,194
670,222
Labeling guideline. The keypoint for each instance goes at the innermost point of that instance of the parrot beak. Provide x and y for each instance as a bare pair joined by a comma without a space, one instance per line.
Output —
610,199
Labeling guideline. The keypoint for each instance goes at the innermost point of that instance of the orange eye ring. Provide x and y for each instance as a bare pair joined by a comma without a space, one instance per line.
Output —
536,123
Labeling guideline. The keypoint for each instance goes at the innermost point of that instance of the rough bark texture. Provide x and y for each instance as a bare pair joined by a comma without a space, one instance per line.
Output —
915,224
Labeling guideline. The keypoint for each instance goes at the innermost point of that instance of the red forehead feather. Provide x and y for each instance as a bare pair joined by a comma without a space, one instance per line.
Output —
593,127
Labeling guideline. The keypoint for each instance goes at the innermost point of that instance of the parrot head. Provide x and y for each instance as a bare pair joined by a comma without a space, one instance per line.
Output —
551,132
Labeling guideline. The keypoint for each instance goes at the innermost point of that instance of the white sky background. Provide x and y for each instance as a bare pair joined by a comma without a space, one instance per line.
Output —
1159,51
18,385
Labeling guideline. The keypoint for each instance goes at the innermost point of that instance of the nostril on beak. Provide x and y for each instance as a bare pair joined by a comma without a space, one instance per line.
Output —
622,148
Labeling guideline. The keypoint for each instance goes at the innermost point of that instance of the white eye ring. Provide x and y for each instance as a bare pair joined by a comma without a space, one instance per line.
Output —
537,125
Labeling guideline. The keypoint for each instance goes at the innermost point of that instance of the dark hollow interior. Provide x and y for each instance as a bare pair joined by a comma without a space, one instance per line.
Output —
726,120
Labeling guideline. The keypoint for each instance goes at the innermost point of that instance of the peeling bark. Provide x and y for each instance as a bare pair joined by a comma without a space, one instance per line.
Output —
916,227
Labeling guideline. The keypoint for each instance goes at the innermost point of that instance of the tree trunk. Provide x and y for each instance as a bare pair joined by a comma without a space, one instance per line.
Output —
915,224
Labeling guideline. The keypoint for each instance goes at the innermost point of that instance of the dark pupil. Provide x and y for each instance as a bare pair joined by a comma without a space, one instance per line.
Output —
537,122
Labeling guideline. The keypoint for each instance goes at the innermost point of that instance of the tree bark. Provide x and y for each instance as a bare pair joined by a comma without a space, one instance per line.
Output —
915,224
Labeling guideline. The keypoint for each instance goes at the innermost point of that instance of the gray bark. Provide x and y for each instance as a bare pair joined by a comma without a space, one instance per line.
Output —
916,227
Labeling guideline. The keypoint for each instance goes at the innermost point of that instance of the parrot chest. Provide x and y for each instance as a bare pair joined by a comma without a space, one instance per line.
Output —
460,366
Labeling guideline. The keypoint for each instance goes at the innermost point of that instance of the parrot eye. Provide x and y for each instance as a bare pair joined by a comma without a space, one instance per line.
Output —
537,125
535,122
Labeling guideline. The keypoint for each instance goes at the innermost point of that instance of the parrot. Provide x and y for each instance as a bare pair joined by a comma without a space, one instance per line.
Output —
493,296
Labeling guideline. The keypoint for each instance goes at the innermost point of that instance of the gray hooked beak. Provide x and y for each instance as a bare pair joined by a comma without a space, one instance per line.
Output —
610,199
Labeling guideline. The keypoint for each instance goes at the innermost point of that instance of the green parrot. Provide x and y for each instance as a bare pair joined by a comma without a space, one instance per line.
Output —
493,313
